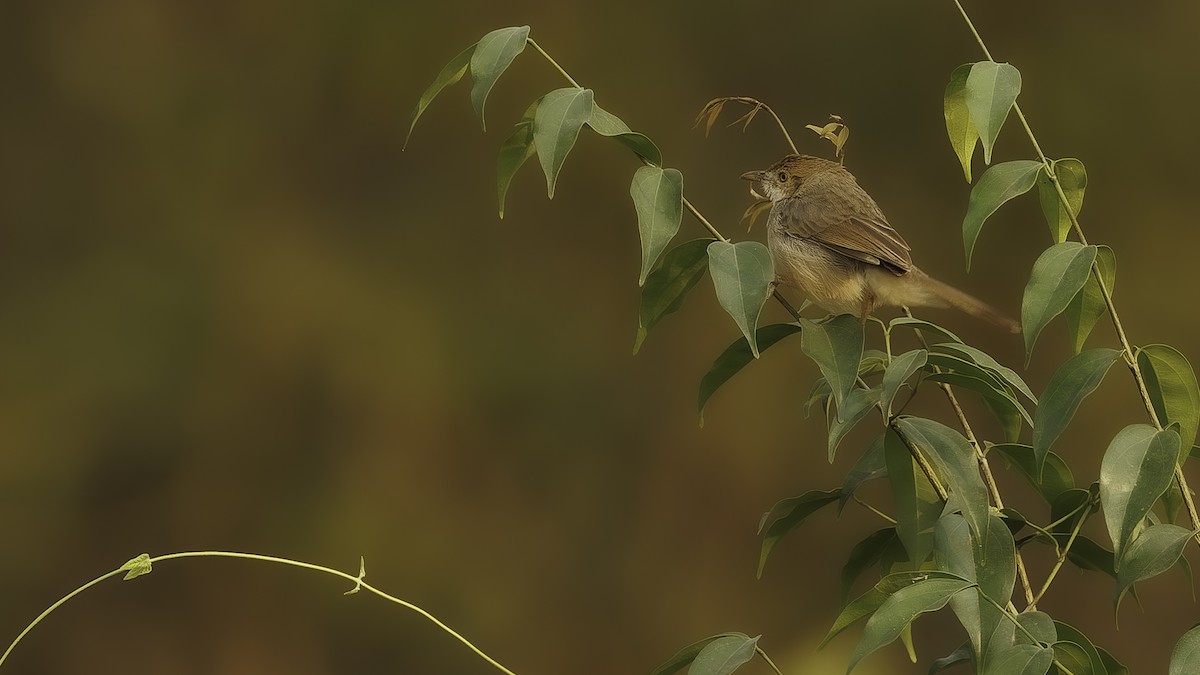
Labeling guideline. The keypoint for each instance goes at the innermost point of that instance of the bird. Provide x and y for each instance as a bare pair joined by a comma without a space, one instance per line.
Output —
829,239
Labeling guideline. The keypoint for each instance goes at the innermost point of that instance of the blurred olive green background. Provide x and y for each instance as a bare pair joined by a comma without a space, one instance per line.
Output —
234,315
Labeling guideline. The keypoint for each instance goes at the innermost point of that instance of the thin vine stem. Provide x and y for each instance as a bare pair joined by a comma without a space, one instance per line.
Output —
357,580
1062,556
1105,292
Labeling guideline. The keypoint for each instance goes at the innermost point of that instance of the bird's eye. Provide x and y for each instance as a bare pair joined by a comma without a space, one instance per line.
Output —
783,176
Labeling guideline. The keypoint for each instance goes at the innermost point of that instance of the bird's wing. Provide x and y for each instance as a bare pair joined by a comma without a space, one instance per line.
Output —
843,220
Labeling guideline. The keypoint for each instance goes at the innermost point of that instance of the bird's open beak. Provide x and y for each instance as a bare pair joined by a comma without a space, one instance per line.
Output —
756,179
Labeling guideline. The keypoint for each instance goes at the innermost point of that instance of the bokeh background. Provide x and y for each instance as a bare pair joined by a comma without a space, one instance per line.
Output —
235,315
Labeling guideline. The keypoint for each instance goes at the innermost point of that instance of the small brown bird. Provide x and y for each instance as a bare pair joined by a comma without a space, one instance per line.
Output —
829,239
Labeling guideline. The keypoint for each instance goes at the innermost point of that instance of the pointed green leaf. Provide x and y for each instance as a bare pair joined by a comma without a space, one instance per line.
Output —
493,54
897,374
1058,274
1185,658
992,566
959,126
955,460
517,148
789,514
1053,478
136,567
556,125
985,360
1073,178
1136,469
665,289
452,72
1088,305
1154,551
864,554
737,356
658,198
866,604
836,345
996,186
991,90
685,656
724,655
917,505
1173,390
741,275
900,609
859,403
608,124
870,465
1070,384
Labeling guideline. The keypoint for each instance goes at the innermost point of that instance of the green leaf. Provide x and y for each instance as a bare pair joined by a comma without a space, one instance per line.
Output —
493,54
955,459
452,72
737,355
986,388
136,567
1021,660
923,326
985,360
741,275
897,374
917,505
1092,663
608,124
900,609
1173,390
959,126
685,656
514,152
1070,384
1154,551
1088,555
991,90
864,554
1088,305
858,404
556,125
724,655
1039,624
869,466
1058,275
1185,658
1053,478
1073,179
1136,469
666,287
658,198
996,186
866,604
1074,658
789,514
836,345
991,565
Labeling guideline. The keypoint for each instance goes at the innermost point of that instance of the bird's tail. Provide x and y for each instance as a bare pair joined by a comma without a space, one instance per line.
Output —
970,304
